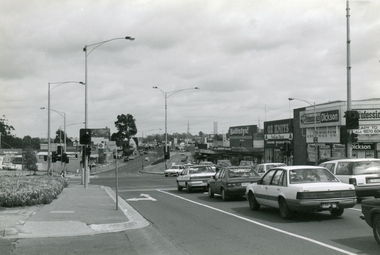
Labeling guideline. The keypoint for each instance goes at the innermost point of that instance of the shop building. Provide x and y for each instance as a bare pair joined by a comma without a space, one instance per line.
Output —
246,143
278,141
319,133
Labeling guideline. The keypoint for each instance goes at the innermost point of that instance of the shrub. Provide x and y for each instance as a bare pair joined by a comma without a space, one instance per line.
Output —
30,190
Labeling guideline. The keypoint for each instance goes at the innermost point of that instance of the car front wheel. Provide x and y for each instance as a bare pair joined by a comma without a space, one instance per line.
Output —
224,195
253,202
179,188
285,212
376,228
337,212
188,188
210,193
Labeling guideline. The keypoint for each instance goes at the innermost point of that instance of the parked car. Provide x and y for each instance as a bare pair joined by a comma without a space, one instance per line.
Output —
301,188
371,215
9,166
12,167
231,181
194,177
363,173
261,169
174,170
126,159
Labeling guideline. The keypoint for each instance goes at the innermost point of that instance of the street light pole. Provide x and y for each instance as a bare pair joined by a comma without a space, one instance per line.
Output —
63,114
96,45
166,95
86,53
315,138
49,89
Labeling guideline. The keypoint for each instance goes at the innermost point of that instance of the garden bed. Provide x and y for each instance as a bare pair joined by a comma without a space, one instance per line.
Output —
29,190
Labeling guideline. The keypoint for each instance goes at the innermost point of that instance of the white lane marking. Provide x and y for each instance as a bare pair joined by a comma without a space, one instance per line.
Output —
263,225
146,197
354,209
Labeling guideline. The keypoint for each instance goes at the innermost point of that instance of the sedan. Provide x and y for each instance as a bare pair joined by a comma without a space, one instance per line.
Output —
174,170
263,168
231,181
301,188
371,214
194,177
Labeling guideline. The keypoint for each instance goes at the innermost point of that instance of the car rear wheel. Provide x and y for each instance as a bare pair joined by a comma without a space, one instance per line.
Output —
188,188
376,228
166,175
285,212
179,188
224,195
253,204
337,212
210,193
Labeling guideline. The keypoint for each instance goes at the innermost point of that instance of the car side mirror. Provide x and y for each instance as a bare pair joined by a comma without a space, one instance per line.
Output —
260,181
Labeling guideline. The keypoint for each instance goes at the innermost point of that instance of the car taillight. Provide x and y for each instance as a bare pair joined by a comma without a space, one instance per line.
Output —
352,181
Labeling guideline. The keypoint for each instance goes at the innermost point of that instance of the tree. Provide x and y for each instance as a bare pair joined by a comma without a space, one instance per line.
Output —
126,128
30,160
60,137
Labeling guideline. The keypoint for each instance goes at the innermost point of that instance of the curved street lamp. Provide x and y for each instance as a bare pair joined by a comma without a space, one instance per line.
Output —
166,95
50,89
315,138
96,45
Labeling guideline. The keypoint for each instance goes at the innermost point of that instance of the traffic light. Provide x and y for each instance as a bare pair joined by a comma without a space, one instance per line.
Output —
352,119
65,158
85,136
354,138
54,156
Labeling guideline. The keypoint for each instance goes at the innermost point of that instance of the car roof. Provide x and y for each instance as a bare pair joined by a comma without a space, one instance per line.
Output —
277,163
298,167
352,160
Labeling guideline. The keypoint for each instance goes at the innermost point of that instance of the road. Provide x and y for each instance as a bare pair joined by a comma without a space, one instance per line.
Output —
198,224
193,223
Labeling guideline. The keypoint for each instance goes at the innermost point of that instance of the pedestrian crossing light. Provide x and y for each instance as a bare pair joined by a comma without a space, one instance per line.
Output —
352,119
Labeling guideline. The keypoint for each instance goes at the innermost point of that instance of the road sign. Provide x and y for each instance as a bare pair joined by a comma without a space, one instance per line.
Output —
367,130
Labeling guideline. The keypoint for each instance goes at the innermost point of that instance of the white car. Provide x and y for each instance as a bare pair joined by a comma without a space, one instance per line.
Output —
301,188
174,170
261,169
194,177
363,173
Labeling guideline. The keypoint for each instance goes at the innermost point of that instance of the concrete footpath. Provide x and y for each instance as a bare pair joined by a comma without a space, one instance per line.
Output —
76,211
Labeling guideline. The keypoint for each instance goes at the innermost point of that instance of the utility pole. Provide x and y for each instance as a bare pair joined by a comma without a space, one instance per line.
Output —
348,133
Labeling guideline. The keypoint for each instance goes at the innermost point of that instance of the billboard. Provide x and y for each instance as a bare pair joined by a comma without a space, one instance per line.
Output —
242,136
101,133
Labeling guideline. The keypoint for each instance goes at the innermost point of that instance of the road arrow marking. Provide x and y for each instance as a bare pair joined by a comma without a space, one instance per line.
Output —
145,197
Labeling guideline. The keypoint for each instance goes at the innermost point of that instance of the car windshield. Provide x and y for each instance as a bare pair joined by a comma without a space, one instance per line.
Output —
200,169
242,172
365,167
311,175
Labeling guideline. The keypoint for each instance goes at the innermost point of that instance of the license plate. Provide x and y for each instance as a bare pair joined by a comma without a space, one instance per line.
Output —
245,184
328,205
373,180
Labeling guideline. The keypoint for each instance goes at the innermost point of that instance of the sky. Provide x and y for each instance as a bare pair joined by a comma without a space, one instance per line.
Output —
246,57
